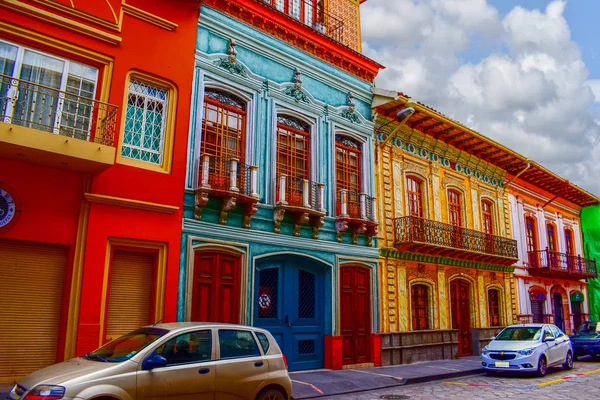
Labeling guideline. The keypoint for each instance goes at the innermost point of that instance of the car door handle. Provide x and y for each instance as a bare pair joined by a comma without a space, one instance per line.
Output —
258,364
203,371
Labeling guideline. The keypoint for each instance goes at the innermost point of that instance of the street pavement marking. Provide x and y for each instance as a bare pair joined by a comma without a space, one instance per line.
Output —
309,384
373,373
457,383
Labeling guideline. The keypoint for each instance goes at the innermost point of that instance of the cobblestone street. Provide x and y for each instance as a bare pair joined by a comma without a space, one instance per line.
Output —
558,384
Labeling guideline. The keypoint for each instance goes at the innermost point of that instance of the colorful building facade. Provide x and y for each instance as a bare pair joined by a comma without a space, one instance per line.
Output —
445,237
279,227
93,141
552,271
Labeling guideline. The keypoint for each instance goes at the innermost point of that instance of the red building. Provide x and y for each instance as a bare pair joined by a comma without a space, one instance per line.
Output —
94,97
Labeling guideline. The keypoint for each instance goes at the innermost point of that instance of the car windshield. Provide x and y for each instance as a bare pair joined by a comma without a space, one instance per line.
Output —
521,333
588,327
125,347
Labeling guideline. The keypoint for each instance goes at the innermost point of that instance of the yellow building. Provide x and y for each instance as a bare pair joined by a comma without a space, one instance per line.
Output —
446,247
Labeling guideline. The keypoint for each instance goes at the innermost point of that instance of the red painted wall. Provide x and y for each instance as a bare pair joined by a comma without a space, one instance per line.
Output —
55,202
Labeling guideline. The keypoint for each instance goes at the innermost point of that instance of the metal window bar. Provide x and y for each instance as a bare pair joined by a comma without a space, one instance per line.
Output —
416,229
294,189
219,175
353,205
313,14
47,109
562,263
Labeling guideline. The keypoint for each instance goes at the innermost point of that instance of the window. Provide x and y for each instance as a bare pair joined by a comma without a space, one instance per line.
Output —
569,242
551,237
54,93
531,242
264,341
234,344
548,334
415,197
557,332
293,155
348,172
420,307
455,207
494,307
146,117
191,347
488,221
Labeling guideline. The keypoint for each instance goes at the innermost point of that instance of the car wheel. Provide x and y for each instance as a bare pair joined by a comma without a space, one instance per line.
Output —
542,366
270,394
568,364
575,358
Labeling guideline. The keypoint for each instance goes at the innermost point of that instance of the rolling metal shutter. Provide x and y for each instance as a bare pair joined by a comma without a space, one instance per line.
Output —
130,292
32,278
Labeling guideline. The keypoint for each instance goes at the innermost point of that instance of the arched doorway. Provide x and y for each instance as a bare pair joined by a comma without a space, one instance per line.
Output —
460,301
576,302
355,314
559,317
216,289
289,301
538,299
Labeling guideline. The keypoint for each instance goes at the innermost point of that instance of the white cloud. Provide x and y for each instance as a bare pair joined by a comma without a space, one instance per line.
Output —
528,87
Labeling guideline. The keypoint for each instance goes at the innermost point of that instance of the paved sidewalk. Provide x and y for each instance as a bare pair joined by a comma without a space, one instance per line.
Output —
314,384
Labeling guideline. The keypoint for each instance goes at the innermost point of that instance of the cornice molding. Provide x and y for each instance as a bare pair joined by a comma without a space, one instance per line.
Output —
130,203
115,26
148,17
515,189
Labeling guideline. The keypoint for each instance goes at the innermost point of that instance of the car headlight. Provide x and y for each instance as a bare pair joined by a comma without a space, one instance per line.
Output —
526,352
485,351
45,392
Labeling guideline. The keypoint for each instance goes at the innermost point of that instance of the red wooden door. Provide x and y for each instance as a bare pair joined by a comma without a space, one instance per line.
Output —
216,290
355,314
461,315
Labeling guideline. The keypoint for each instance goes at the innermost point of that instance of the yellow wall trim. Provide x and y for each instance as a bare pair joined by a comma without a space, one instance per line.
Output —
148,17
160,283
80,14
61,21
130,203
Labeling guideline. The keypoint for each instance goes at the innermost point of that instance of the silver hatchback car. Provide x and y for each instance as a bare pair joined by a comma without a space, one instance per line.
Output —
528,348
184,360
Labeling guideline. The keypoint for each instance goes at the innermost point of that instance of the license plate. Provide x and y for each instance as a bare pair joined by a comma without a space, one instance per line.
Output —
502,364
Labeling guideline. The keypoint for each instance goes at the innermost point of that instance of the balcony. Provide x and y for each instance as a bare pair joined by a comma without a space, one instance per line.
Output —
356,213
312,14
419,235
552,264
303,200
231,182
46,126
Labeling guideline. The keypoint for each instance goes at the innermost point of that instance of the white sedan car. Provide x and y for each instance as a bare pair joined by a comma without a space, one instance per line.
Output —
528,347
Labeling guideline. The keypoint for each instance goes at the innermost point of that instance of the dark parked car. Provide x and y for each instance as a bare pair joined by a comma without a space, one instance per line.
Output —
586,340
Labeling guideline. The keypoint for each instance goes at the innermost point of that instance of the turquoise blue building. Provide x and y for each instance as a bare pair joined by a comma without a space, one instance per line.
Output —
280,220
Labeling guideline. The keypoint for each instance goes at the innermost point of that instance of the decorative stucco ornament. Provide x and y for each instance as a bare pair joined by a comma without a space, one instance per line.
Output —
296,91
230,63
349,111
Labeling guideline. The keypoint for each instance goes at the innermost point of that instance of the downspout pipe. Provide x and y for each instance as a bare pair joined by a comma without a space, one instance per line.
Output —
506,184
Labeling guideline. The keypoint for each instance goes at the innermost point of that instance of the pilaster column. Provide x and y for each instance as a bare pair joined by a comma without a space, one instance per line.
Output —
519,222
482,296
510,306
542,234
402,298
390,318
475,203
443,299
560,226
436,191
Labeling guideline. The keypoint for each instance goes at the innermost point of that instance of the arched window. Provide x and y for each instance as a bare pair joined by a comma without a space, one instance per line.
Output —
455,207
420,307
494,307
551,231
223,125
415,196
531,241
488,220
293,155
348,172
569,242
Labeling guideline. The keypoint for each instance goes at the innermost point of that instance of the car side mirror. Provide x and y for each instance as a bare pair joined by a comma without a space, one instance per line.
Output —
493,338
154,361
549,339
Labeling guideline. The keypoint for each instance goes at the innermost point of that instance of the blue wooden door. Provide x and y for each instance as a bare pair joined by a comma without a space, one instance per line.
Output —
289,303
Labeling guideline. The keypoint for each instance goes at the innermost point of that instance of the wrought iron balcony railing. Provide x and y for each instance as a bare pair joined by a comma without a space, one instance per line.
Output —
302,193
44,108
560,265
415,230
228,175
350,204
311,13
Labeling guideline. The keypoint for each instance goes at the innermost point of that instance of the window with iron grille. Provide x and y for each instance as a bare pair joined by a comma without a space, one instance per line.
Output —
293,155
488,221
145,122
348,172
420,307
494,307
455,206
415,196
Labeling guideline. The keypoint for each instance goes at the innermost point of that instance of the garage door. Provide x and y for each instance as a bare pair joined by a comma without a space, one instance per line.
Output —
32,278
130,292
